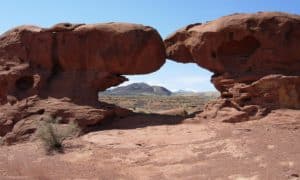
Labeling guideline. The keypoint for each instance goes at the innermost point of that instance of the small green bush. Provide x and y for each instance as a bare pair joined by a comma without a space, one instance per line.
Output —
52,134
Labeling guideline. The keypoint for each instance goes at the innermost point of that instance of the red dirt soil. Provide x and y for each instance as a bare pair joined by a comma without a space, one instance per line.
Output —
164,147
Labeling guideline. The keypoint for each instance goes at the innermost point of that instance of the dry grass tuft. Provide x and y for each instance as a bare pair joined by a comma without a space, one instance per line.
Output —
1,141
53,134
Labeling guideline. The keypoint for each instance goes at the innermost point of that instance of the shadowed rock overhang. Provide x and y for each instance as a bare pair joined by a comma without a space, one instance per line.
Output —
255,59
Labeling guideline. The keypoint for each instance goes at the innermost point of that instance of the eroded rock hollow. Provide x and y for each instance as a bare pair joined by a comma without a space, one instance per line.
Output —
255,59
59,71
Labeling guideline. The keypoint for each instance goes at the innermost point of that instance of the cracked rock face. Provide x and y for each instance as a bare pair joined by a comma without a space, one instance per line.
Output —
40,66
255,59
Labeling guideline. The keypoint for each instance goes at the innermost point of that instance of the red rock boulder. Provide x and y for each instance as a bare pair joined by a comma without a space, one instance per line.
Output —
75,61
245,51
248,45
59,71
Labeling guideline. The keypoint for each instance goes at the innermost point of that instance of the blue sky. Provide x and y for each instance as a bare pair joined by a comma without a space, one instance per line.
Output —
165,15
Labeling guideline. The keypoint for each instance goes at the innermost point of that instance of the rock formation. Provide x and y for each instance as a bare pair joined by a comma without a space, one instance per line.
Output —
255,59
59,70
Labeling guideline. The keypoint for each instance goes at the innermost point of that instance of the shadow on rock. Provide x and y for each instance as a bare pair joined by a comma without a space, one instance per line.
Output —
140,120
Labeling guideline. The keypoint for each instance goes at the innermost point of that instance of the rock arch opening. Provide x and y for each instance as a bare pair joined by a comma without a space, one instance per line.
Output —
175,89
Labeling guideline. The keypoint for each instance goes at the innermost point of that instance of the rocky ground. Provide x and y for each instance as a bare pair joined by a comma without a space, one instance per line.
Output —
165,147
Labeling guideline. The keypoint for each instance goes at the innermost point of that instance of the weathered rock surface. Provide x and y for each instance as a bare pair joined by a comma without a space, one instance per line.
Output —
148,145
245,51
19,121
77,59
241,44
72,61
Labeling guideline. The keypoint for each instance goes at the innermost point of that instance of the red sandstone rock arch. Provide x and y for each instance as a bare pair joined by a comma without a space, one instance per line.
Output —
59,70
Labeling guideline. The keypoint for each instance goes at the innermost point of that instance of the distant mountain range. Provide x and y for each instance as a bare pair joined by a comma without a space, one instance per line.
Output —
193,93
145,89
138,89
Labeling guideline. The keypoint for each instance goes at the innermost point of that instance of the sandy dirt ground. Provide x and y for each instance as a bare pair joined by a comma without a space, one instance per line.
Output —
162,147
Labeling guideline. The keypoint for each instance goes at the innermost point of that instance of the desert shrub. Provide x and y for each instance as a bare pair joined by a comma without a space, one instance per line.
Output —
53,134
